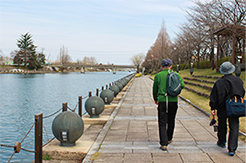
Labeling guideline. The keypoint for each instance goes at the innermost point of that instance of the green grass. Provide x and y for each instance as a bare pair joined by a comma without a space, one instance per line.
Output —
47,157
203,90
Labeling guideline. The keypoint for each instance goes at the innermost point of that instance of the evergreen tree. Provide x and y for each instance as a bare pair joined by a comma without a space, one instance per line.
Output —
27,49
27,53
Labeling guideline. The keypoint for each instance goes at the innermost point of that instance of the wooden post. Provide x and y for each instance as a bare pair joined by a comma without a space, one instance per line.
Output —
80,106
102,88
64,106
107,86
97,92
38,137
89,94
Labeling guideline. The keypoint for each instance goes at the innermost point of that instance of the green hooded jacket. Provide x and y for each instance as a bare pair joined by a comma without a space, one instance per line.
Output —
159,87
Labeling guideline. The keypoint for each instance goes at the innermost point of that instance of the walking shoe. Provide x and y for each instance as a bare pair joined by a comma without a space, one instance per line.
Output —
163,147
222,145
231,153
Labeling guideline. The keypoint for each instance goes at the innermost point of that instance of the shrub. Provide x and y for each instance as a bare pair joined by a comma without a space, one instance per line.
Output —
204,64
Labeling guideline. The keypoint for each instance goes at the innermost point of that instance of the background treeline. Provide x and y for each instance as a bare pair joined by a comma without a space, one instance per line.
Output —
195,42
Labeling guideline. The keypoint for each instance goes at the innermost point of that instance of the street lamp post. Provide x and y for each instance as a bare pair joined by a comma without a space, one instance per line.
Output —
191,69
238,67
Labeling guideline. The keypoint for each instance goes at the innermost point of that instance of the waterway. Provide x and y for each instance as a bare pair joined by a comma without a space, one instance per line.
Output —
24,95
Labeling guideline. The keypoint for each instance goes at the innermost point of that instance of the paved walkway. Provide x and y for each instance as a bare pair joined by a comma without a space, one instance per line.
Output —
131,133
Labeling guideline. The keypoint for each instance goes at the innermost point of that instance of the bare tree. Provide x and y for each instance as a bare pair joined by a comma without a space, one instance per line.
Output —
89,61
137,60
64,57
160,50
196,40
216,14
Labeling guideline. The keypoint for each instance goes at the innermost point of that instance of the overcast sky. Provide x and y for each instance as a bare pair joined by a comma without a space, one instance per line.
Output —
110,30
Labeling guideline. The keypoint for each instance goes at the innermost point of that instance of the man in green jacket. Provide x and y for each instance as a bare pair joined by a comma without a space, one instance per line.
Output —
164,116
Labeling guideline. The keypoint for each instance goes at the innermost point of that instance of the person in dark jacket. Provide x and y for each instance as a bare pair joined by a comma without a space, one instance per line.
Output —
164,118
225,88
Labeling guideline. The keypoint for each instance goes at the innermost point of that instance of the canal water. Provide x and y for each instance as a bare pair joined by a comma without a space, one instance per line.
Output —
24,95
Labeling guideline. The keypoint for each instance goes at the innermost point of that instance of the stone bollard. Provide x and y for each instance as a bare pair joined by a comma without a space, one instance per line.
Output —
67,127
115,89
120,85
107,96
94,106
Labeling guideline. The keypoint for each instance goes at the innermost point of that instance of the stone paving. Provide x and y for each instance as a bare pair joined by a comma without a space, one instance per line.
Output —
131,134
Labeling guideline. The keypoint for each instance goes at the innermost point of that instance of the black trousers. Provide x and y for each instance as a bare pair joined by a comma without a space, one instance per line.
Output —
222,130
166,121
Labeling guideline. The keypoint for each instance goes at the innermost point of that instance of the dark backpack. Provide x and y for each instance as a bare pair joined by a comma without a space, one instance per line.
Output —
173,84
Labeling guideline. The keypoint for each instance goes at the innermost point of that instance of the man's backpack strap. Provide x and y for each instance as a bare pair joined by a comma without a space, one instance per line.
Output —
166,103
169,71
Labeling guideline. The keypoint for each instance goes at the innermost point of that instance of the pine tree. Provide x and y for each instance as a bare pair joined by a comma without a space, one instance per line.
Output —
27,52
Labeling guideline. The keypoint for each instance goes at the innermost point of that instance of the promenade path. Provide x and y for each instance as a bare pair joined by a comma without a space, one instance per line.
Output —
131,134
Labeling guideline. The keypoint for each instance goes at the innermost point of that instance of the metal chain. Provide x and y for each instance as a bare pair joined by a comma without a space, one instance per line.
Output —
28,150
75,106
70,109
27,133
4,145
46,131
48,141
52,114
11,157
85,97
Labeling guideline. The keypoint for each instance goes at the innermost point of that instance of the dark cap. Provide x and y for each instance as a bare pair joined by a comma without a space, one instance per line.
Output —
166,63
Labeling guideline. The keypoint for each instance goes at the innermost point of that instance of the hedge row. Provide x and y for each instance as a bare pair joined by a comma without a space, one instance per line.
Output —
202,64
